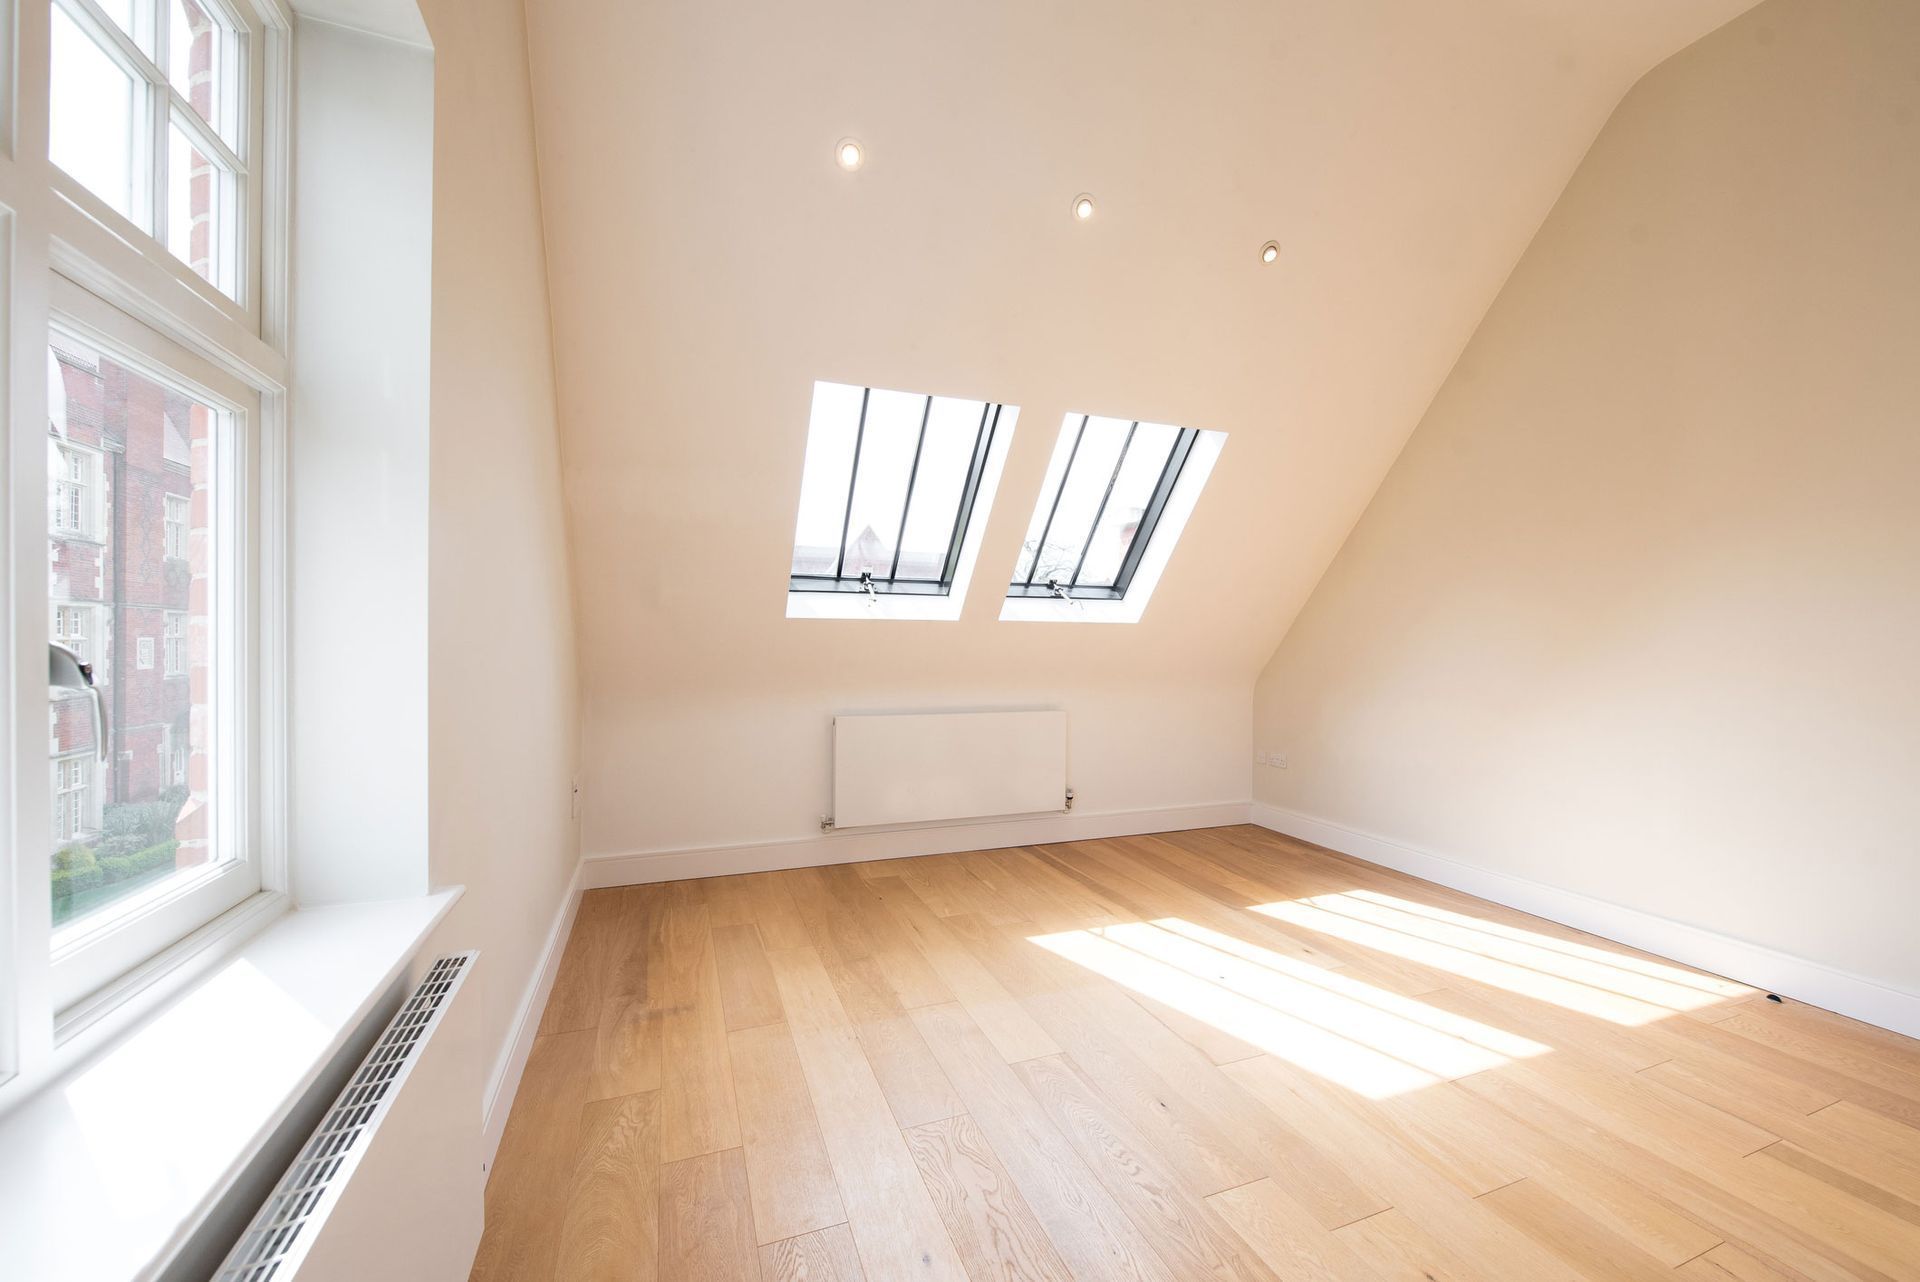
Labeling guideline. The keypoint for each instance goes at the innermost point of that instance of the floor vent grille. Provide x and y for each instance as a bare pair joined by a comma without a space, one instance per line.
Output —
274,1240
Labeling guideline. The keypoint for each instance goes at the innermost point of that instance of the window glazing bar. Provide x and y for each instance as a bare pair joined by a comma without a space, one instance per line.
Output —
913,475
1033,566
1094,529
859,440
1150,519
982,446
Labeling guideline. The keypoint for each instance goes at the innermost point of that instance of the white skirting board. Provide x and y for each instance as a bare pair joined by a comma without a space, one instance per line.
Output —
898,843
504,1082
1805,981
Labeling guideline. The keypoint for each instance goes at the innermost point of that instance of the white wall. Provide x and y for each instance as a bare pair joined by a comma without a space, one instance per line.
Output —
500,665
709,262
362,266
1636,613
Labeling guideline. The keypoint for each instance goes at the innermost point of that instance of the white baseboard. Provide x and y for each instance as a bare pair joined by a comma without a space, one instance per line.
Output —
505,1082
1805,981
639,867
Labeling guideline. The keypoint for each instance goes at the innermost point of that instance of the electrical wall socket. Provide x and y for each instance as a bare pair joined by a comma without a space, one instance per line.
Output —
1278,760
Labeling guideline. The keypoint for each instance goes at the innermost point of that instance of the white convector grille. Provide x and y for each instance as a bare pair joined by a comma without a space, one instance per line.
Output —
280,1232
914,767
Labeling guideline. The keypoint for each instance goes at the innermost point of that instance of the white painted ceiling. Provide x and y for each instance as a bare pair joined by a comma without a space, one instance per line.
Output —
395,19
708,262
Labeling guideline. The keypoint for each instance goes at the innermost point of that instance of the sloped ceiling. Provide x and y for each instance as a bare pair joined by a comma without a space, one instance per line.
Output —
708,262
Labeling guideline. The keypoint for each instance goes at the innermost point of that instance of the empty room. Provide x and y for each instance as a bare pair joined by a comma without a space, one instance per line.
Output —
995,641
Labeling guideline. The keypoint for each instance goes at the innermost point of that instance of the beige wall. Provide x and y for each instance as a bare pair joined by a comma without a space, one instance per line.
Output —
502,700
709,262
1637,612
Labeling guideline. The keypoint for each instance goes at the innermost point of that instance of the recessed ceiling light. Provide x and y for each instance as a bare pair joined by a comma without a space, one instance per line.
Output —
1082,207
849,154
1270,251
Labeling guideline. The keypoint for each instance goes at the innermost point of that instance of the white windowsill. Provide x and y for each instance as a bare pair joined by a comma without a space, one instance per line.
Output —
106,1171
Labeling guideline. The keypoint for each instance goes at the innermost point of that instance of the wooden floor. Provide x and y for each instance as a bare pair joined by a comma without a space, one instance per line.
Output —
1204,1055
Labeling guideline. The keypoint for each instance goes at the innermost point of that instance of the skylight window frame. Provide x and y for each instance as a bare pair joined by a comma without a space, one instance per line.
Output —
1162,493
978,469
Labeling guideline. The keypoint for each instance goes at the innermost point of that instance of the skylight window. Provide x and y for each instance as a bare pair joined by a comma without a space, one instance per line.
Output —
893,483
1116,496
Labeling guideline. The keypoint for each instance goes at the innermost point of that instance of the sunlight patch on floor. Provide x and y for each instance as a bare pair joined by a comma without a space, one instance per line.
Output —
1620,990
1370,1041
1713,985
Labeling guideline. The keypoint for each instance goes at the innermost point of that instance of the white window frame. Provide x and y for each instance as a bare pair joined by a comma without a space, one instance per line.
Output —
162,108
69,255
996,435
175,527
1163,538
143,653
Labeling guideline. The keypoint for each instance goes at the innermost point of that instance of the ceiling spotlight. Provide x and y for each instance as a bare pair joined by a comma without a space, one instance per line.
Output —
1269,251
1082,207
849,154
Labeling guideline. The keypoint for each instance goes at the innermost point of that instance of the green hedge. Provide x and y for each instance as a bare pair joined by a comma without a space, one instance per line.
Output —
121,867
75,868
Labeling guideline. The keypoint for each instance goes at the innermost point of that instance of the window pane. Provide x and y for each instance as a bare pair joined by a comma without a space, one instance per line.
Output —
880,493
823,487
1146,459
95,118
953,428
201,199
126,15
146,812
1072,520
200,64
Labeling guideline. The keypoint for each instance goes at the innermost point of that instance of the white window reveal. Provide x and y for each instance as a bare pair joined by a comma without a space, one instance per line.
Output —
893,502
1117,494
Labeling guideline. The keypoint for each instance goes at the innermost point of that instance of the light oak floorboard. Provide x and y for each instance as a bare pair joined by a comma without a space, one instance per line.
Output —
825,1255
1206,1055
706,1232
787,1167
609,1233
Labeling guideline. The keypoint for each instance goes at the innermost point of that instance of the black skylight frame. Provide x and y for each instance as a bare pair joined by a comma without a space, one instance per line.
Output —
864,582
1072,589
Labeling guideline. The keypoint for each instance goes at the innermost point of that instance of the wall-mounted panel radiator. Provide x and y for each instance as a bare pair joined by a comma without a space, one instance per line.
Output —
912,768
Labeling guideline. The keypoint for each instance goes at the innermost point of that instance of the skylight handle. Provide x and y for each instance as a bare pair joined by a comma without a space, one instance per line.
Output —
866,586
65,671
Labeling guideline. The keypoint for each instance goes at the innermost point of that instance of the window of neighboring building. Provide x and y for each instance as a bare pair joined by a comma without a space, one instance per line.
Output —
174,643
73,628
75,487
72,801
1116,495
147,104
894,494
176,525
144,649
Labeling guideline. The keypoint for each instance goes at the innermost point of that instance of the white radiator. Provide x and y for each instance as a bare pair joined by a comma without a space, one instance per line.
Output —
369,1196
912,768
